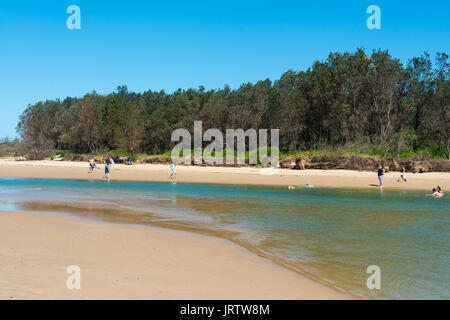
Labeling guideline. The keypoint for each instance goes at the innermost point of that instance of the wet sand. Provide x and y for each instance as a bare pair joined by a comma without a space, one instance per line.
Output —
133,262
249,176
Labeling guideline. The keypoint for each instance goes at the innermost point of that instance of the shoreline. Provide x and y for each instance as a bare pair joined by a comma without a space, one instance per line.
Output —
225,175
147,263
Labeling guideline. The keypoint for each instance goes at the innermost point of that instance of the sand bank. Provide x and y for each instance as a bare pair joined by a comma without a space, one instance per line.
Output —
134,262
250,176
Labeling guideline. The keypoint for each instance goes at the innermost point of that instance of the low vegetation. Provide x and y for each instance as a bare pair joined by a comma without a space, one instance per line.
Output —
7,148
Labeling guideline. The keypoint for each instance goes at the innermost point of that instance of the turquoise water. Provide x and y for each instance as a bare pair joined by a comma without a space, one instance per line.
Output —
331,235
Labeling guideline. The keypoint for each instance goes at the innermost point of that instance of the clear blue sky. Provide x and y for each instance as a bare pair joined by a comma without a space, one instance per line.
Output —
181,44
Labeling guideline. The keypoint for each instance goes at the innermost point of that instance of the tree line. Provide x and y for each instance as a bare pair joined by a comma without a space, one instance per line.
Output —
369,103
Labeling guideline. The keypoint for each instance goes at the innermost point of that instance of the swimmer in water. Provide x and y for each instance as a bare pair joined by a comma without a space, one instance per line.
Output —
436,192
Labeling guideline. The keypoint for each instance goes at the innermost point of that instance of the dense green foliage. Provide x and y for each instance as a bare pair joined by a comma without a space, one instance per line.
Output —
365,104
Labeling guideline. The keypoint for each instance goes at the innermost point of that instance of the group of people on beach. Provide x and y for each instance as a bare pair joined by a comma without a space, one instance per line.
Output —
436,192
382,170
109,162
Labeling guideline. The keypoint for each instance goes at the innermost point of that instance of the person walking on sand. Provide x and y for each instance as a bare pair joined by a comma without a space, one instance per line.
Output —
173,175
108,163
381,172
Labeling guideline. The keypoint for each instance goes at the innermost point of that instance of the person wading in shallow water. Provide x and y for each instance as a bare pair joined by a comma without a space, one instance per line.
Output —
381,172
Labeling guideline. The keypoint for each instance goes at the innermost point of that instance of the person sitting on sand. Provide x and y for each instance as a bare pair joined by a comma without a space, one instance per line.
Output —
381,172
173,175
402,176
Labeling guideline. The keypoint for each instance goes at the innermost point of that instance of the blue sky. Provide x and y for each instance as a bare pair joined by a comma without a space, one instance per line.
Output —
181,44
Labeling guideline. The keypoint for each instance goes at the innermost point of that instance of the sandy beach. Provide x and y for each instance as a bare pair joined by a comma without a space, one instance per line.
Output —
134,262
250,176
120,261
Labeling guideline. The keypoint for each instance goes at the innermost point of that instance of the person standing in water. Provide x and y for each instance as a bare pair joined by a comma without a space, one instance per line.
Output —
381,172
173,175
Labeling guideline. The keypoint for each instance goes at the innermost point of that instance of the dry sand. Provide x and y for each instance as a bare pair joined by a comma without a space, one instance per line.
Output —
134,262
254,176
